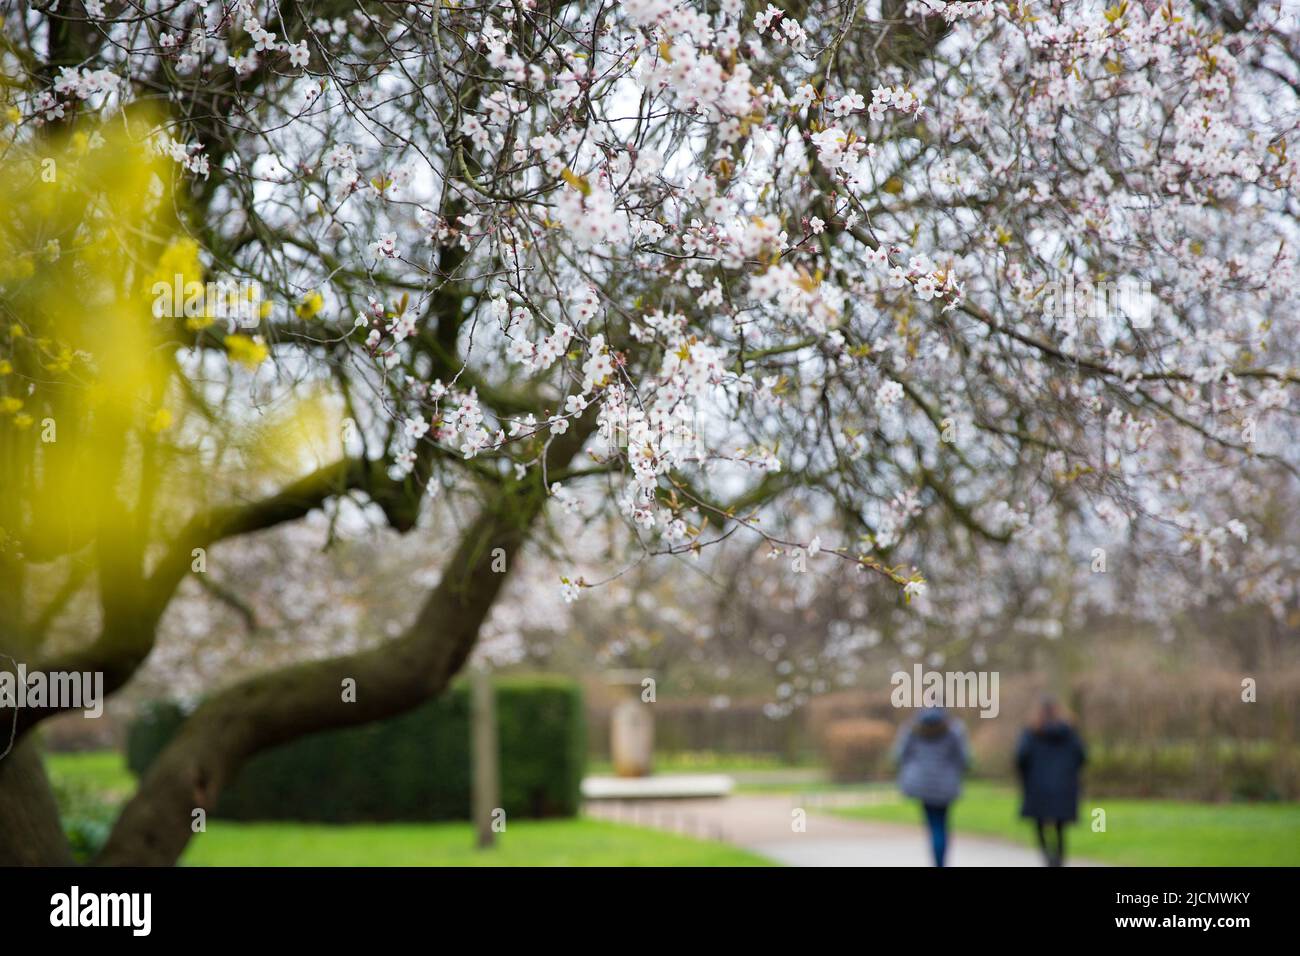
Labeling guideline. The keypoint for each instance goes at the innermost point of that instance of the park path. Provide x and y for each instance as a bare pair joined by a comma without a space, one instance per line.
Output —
761,823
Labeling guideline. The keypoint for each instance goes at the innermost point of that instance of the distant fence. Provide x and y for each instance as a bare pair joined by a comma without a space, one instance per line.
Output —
699,724
1151,733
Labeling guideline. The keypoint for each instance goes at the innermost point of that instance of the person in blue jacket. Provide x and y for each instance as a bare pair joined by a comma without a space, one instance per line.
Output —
1048,759
932,755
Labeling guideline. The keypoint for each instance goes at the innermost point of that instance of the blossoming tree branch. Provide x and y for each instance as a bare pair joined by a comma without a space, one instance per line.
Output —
811,276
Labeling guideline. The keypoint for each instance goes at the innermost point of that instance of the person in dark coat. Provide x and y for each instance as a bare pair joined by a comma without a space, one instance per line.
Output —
932,755
1048,760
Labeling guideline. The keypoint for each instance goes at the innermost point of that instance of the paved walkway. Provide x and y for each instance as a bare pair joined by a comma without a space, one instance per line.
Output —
762,823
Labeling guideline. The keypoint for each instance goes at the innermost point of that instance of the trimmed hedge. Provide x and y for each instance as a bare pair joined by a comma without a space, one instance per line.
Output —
1203,770
415,767
156,723
856,749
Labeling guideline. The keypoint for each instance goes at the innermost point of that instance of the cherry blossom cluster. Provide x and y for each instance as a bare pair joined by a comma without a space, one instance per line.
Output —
725,244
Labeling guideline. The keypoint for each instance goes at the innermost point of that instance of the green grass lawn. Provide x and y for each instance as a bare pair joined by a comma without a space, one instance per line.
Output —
1138,832
91,785
526,843
99,771
753,773
708,761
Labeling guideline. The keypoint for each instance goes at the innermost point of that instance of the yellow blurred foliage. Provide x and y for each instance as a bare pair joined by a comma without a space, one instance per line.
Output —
310,305
100,436
246,350
301,435
87,224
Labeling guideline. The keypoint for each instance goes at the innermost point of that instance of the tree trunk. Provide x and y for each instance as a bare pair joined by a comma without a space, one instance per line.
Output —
390,679
30,831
